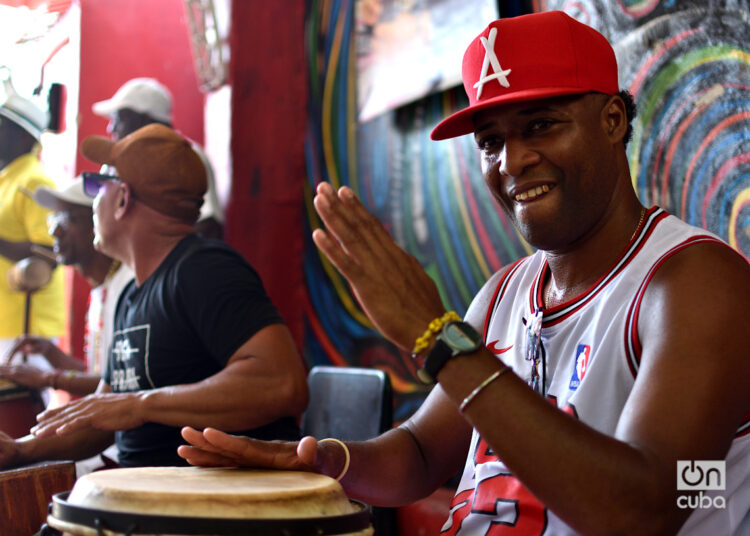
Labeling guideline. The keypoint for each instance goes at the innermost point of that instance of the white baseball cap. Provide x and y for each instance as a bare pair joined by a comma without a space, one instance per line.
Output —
143,95
22,111
73,193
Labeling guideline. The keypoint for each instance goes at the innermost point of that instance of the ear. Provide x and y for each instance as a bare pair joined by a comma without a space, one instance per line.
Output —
614,119
124,201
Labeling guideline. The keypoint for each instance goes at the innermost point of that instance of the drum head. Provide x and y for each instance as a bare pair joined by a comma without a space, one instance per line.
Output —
191,500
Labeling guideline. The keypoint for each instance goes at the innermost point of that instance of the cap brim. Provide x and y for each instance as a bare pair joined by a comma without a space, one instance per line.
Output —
57,199
462,122
105,108
98,149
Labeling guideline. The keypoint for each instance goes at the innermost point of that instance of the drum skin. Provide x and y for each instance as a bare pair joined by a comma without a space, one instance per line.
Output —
221,493
19,407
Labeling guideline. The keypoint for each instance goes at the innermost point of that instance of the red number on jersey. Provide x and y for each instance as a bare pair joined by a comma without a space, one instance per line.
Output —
530,518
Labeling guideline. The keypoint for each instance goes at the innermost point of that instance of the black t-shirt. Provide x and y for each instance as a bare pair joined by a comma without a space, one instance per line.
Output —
181,326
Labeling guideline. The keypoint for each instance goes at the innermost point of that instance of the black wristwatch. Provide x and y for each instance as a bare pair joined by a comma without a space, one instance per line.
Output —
456,338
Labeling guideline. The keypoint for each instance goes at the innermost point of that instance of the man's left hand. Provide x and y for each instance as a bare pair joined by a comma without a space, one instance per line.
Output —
105,411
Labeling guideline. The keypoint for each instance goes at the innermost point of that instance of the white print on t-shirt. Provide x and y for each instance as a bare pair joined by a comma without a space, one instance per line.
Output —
129,354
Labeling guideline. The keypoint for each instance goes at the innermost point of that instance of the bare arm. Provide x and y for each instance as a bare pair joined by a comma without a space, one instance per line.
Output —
77,446
30,449
410,462
72,381
262,381
15,251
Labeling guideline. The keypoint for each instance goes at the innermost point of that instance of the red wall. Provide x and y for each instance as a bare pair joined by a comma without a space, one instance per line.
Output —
130,38
269,113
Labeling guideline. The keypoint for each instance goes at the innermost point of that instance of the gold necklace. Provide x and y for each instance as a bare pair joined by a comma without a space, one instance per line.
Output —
637,227
640,221
112,269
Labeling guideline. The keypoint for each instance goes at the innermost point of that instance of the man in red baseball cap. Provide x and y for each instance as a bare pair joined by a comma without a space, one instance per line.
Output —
587,390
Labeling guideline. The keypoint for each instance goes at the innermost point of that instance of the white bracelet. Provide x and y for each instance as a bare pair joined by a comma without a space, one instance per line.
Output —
479,388
346,453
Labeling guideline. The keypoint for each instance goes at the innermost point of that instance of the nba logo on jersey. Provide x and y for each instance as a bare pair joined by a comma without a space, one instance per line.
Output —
582,362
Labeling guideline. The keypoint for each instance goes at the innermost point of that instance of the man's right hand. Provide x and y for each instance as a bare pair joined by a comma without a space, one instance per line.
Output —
213,448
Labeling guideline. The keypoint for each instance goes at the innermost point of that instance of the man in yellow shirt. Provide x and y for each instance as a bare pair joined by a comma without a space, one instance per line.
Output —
23,223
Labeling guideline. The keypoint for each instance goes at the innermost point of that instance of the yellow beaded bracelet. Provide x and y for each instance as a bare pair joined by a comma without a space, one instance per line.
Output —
434,327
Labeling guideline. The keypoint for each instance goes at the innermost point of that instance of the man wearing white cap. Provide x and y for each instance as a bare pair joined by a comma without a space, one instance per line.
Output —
23,223
140,102
71,224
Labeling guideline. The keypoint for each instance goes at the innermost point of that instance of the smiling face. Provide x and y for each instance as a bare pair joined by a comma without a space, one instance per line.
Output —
551,165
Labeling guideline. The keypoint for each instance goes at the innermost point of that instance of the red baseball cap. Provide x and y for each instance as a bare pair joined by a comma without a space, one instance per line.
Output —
527,58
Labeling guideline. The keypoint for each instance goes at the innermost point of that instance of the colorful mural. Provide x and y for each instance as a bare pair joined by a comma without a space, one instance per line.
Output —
430,196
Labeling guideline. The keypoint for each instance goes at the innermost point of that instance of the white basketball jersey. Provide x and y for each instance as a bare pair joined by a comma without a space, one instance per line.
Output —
590,356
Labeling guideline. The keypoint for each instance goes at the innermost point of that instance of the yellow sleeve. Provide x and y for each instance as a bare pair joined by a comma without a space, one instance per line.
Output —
32,215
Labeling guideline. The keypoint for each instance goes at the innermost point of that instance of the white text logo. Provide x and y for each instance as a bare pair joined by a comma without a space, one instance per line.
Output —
700,476
491,58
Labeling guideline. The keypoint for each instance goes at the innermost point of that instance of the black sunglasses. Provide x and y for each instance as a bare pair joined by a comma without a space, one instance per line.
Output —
92,182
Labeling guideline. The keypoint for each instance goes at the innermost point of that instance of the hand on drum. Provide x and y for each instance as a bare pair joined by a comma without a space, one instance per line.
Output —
103,411
213,448
25,375
393,289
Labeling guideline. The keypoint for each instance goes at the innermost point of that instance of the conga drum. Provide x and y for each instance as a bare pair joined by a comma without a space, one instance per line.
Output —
207,501
19,407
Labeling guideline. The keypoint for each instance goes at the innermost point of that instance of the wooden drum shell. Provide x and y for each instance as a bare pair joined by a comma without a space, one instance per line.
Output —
19,407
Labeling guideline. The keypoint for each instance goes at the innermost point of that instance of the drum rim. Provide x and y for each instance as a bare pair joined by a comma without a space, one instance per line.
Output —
129,522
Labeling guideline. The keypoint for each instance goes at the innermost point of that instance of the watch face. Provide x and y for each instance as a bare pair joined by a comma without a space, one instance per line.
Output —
461,336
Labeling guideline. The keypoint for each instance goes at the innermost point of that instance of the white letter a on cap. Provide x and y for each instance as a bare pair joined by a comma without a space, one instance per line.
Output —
491,58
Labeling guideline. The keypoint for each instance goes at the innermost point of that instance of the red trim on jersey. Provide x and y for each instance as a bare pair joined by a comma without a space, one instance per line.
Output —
502,285
555,315
536,298
744,428
632,341
568,408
